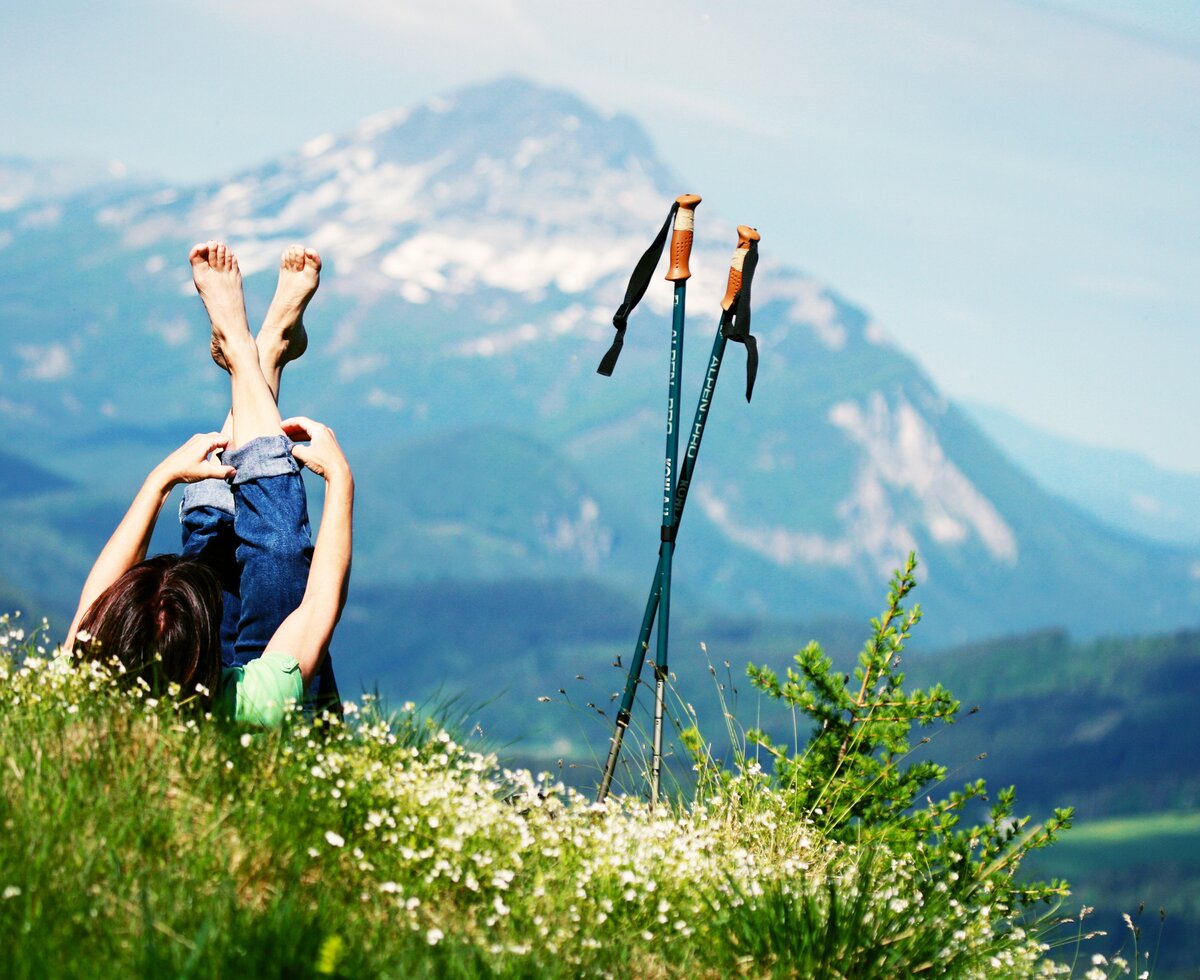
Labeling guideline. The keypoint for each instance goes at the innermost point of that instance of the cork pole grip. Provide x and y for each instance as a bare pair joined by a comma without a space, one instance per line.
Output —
681,237
746,235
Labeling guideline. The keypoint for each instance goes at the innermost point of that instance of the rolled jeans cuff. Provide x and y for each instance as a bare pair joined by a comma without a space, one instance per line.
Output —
206,493
264,456
261,457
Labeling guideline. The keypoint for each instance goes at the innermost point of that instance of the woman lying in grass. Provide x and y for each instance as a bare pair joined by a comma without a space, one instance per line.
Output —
244,616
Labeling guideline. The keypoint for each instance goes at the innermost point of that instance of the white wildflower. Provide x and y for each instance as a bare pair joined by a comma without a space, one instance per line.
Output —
334,839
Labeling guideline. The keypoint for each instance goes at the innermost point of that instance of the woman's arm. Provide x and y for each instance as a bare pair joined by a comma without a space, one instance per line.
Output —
306,632
129,541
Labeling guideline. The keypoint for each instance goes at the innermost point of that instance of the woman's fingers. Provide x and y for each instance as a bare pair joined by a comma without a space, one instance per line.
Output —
300,426
213,471
206,442
322,455
310,458
202,443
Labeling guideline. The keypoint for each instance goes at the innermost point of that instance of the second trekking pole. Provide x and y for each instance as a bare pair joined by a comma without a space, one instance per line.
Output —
678,273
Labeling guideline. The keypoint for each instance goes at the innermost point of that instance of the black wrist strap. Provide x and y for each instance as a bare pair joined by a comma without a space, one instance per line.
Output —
639,282
735,321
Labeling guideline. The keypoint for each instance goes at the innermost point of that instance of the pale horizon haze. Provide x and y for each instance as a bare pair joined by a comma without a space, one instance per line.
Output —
1009,187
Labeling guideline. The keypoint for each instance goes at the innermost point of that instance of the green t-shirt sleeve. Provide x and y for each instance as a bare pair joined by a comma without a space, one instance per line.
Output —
260,692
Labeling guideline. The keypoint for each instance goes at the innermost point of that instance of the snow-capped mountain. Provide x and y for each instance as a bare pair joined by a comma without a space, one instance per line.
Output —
476,246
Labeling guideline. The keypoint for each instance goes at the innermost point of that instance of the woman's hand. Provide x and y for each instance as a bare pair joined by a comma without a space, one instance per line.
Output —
190,463
128,543
322,455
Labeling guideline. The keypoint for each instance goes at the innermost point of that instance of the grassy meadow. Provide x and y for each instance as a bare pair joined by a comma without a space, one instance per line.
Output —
142,838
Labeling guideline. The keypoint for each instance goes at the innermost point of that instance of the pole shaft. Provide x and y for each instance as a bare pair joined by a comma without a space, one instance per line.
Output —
671,471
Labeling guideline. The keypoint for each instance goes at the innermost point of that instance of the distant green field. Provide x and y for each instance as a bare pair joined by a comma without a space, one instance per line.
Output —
1125,843
1117,865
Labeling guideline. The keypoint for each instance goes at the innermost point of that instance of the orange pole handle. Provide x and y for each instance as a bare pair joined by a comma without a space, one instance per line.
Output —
681,237
746,235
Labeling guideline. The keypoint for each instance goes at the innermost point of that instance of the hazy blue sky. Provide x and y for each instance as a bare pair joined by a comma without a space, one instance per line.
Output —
1010,187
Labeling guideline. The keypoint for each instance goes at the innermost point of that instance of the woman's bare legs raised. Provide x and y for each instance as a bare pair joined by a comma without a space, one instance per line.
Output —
282,337
219,282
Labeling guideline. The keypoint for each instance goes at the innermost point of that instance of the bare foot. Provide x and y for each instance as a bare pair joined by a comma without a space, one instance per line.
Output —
219,283
283,337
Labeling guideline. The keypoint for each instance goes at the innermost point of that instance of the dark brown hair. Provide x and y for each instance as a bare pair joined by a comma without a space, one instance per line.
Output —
162,620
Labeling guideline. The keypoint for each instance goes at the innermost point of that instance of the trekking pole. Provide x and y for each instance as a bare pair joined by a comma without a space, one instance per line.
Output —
678,273
734,325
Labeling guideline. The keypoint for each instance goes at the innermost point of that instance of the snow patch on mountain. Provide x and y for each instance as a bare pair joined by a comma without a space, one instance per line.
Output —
48,216
24,182
901,452
501,342
445,262
875,334
530,149
318,145
781,545
582,534
174,331
873,533
904,484
353,366
380,122
49,362
379,398
812,306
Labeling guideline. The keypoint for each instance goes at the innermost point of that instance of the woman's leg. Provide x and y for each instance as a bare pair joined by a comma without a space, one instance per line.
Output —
270,514
282,337
206,513
219,282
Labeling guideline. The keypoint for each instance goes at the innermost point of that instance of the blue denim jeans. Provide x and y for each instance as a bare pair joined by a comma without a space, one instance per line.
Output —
254,533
